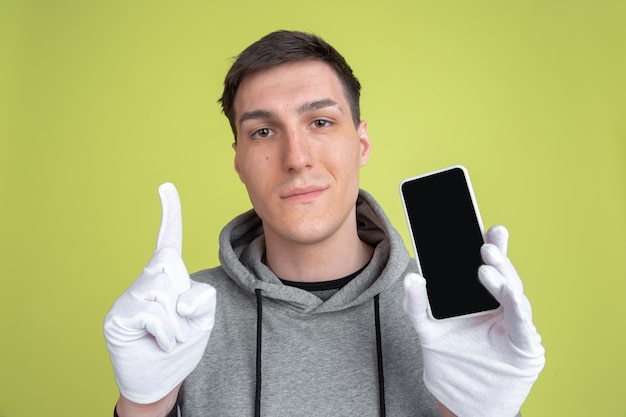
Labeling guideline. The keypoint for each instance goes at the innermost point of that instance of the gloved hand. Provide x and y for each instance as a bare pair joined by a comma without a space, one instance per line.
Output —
480,366
157,330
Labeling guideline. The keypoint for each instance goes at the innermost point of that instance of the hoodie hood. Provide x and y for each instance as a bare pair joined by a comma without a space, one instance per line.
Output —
242,246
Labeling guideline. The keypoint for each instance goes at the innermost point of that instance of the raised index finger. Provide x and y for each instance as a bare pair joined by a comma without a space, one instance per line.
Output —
171,230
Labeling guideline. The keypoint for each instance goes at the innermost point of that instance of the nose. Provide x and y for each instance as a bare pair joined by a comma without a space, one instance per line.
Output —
297,152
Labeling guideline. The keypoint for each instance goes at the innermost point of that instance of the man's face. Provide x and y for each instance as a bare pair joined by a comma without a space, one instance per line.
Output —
299,153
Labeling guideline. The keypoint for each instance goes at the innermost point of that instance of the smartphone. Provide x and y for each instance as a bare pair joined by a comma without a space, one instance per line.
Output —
447,233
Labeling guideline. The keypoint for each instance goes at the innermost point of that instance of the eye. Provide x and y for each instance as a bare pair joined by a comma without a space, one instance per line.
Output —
262,133
320,123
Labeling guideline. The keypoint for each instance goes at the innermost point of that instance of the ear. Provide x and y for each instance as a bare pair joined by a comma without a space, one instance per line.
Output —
364,139
236,162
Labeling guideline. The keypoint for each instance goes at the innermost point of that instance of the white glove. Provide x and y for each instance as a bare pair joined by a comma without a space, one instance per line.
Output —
480,366
157,330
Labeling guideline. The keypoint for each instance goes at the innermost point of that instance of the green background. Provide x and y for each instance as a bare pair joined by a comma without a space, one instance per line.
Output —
100,102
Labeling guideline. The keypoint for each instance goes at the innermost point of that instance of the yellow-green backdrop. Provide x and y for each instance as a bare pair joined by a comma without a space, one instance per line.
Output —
100,102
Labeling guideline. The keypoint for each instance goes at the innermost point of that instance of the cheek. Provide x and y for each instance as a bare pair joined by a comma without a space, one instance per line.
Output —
253,170
246,163
347,157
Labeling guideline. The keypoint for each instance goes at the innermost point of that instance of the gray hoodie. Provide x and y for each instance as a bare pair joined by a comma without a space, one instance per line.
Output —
277,350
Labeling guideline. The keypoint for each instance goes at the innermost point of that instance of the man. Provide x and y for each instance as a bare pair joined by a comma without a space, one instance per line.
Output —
312,282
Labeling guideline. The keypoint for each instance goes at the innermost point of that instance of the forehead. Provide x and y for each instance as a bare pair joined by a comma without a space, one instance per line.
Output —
289,84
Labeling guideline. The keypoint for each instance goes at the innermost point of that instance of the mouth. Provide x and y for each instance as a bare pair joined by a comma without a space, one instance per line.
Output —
303,194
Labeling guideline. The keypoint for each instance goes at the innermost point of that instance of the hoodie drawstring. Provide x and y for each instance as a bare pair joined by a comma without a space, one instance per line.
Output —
379,354
259,337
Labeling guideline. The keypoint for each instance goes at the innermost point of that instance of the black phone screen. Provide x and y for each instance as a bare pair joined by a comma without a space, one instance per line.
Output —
447,237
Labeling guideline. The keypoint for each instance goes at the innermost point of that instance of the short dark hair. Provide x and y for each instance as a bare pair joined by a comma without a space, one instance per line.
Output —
281,47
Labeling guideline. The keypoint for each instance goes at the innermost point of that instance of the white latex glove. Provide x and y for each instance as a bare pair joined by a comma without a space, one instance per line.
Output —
157,330
481,366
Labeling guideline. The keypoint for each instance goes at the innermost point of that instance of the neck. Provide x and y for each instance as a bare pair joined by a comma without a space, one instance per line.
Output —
333,258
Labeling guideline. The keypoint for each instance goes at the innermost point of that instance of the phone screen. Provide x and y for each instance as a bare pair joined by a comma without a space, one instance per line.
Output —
447,234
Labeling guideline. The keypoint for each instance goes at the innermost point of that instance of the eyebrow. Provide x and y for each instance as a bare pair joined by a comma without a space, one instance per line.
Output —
304,108
255,114
318,104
